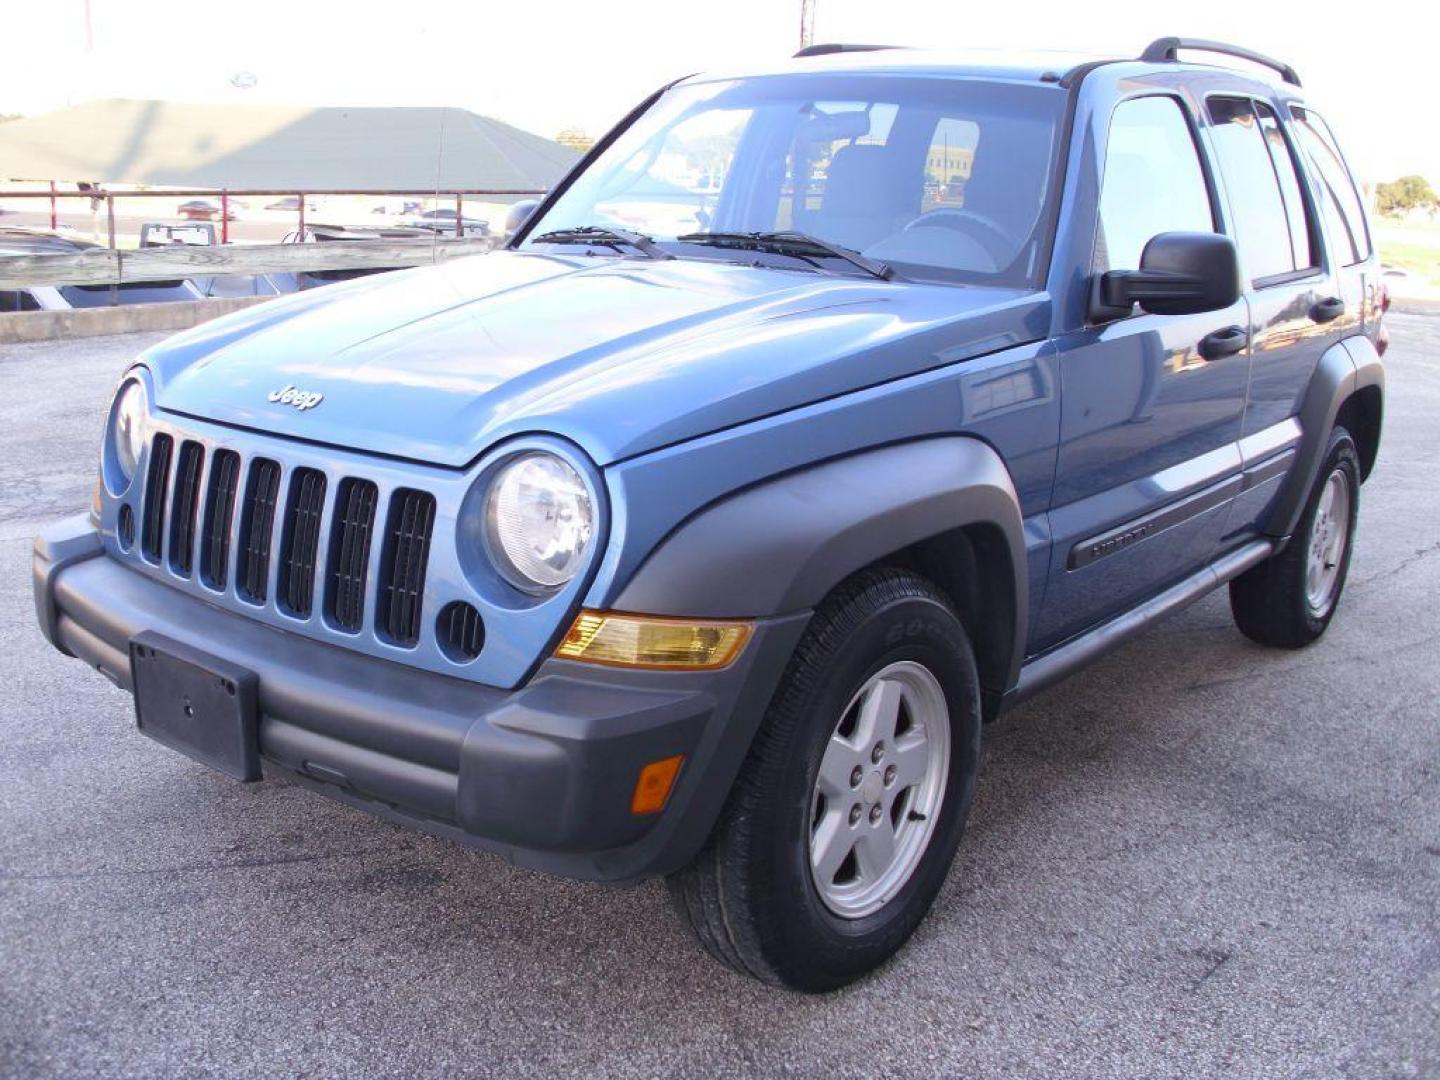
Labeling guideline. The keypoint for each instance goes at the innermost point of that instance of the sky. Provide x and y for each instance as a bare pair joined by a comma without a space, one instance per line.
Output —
555,64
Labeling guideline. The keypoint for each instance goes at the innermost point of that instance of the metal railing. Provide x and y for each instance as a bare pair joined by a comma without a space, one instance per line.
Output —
112,266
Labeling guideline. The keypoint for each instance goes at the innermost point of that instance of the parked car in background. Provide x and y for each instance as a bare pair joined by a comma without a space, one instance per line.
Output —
291,203
443,222
627,552
210,209
15,241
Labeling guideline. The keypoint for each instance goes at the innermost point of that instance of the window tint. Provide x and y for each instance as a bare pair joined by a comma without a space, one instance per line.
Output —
1284,164
1344,215
1262,226
1152,184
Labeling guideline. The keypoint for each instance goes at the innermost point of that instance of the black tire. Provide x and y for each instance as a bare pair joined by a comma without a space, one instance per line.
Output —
750,896
1269,601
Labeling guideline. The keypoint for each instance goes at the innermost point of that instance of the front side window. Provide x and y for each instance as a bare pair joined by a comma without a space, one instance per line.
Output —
1152,184
941,179
1269,239
1344,213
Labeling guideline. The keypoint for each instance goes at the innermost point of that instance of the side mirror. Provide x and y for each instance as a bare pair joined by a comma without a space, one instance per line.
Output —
1181,273
518,214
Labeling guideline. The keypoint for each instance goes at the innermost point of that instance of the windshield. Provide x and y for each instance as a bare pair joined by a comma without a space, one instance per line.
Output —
940,179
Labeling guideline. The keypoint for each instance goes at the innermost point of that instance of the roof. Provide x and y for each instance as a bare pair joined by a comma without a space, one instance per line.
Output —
274,146
981,63
15,240
1002,65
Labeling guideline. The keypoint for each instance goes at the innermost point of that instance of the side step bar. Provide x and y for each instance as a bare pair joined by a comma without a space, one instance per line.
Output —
1045,670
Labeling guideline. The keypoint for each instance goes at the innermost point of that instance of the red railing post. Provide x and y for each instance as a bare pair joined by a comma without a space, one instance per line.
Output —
54,220
301,197
224,217
459,215
110,229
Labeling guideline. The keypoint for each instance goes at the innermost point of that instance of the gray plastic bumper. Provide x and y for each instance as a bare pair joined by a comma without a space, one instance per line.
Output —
542,775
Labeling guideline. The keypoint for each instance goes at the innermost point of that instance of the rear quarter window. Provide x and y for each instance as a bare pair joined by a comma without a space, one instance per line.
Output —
1340,203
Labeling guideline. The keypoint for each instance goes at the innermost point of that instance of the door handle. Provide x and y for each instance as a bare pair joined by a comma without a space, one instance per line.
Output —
1225,342
1332,307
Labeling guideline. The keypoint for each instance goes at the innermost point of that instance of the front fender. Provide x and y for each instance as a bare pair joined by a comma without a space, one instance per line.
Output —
782,545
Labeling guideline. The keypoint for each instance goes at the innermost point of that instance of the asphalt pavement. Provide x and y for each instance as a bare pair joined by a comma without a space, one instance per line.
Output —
1197,858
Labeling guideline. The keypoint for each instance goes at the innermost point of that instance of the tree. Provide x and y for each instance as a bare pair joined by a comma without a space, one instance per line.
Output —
1401,196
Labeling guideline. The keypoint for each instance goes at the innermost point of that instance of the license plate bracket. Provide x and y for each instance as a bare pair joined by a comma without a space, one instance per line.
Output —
200,705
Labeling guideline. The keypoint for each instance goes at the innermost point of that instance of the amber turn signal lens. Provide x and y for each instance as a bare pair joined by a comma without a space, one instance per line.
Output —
644,641
652,790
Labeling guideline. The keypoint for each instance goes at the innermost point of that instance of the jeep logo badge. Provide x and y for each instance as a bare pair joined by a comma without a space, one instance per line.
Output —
301,399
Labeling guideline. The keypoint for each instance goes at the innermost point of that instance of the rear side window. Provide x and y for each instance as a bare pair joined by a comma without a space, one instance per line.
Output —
1153,182
1344,214
1264,195
1301,250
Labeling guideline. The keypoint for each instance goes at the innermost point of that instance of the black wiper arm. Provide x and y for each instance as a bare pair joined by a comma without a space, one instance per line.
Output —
789,242
604,236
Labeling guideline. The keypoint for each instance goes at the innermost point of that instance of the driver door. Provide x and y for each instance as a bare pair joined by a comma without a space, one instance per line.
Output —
1148,424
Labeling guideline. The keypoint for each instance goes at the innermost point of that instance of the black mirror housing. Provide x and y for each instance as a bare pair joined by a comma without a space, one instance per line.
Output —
1181,273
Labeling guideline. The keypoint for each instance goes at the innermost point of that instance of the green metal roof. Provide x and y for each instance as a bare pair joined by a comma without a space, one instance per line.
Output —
274,146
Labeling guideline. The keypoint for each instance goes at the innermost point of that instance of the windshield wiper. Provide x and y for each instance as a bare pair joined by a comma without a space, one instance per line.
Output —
604,236
789,242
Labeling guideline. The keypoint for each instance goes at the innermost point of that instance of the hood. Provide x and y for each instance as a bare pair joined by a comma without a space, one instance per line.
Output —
619,355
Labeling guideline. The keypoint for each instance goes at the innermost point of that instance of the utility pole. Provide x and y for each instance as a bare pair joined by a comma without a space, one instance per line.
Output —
807,23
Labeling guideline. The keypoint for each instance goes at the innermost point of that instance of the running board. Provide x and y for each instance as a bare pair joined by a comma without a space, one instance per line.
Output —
1049,668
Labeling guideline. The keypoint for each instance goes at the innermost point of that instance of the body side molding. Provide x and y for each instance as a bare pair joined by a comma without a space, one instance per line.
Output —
1045,670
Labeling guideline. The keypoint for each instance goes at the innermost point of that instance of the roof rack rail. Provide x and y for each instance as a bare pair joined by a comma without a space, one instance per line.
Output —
830,47
1165,48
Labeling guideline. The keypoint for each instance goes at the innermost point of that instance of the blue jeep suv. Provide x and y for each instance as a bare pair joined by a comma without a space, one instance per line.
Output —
818,416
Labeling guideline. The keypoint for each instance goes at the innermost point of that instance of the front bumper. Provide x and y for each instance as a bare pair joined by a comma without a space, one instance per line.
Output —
542,775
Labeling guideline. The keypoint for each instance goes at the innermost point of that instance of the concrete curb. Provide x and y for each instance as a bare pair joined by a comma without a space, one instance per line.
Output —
22,326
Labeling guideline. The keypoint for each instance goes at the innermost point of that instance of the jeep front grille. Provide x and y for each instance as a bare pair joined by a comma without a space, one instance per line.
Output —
257,527
157,481
322,537
402,564
350,553
219,515
187,504
301,540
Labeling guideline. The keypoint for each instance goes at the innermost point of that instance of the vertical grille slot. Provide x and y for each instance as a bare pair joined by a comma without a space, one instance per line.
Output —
186,507
402,562
300,541
157,480
257,524
350,553
219,513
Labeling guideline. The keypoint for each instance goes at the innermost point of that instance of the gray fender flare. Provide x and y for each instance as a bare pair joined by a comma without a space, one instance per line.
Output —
1344,368
780,546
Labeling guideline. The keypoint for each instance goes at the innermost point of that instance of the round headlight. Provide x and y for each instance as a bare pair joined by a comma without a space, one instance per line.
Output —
538,522
129,433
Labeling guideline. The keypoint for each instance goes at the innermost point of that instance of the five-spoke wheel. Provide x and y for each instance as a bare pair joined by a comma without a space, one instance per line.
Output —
880,781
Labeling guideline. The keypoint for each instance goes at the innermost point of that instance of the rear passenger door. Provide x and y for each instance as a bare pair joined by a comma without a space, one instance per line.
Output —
1297,309
1343,213
1148,424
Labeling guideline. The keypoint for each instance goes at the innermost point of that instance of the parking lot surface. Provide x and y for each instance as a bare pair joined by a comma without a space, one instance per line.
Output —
1198,858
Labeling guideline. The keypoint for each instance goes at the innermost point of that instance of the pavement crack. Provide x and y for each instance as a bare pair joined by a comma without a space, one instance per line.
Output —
1216,959
1404,564
187,868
